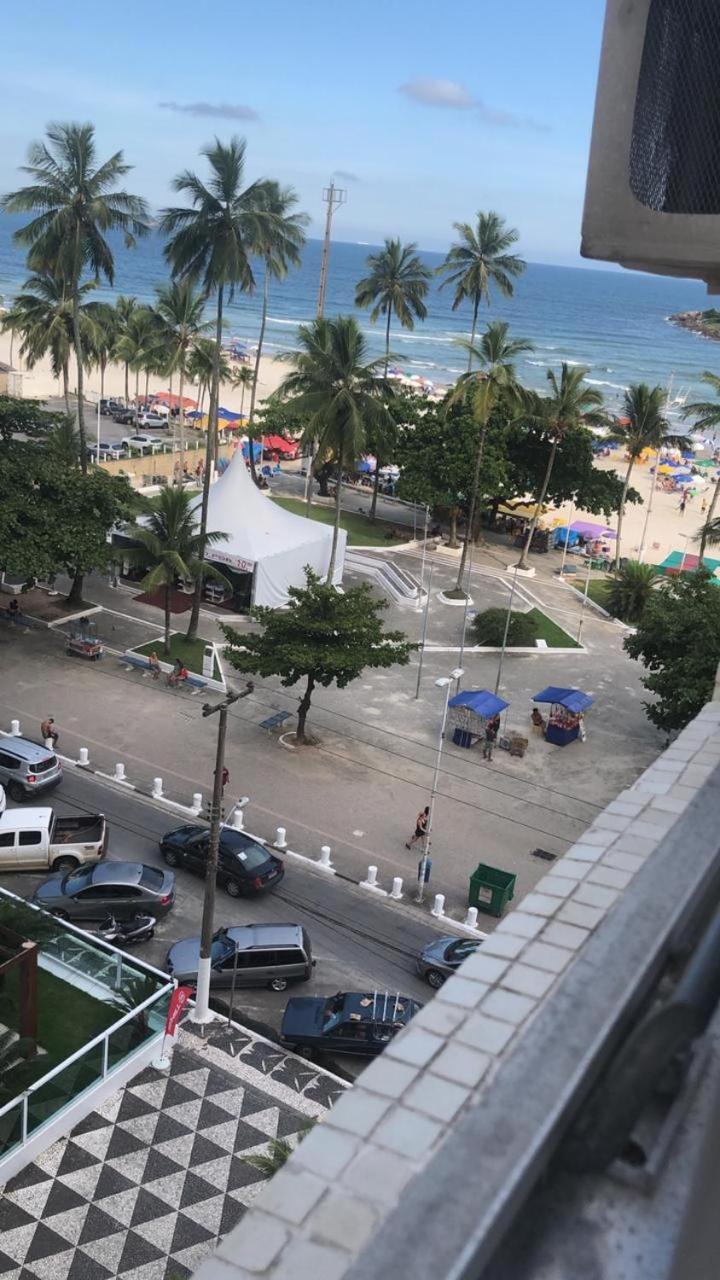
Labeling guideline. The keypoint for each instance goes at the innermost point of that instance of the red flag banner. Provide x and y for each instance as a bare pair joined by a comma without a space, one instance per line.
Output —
178,1000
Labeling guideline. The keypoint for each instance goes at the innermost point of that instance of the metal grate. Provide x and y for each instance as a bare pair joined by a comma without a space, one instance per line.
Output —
675,147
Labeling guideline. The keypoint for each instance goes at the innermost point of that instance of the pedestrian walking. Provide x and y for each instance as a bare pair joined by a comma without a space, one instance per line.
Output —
491,733
421,826
225,777
703,506
683,504
48,730
154,665
13,611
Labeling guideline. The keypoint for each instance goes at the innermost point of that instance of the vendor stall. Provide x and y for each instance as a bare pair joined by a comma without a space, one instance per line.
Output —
469,713
566,711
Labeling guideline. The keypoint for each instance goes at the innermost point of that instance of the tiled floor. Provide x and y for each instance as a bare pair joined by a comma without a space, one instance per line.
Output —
146,1184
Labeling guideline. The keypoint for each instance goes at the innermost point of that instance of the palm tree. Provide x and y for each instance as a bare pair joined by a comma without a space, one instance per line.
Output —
710,531
43,315
170,546
77,204
211,242
242,379
201,365
479,260
335,385
125,307
629,591
182,309
137,346
279,238
646,428
398,282
495,380
101,344
708,418
571,402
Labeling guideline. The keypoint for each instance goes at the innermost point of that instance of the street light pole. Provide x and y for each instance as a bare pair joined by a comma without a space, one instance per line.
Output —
424,633
465,614
445,682
505,632
201,1012
584,603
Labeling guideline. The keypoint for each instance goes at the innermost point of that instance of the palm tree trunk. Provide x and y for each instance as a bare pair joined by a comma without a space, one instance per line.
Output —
167,618
12,339
137,396
77,338
242,399
127,384
182,418
209,459
147,387
258,353
103,365
336,525
523,561
387,341
476,305
376,486
709,517
471,512
303,708
311,459
66,386
453,528
621,511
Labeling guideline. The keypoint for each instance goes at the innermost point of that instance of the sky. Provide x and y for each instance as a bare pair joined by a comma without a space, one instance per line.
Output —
424,112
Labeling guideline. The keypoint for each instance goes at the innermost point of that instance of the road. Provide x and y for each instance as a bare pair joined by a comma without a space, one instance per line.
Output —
358,942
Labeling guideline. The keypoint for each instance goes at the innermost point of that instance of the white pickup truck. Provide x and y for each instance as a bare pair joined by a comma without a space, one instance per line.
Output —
38,840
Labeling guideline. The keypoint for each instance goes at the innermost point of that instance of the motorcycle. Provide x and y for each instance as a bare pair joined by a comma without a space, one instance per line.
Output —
127,932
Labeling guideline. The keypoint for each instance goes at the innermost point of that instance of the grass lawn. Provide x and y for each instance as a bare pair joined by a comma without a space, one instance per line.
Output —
550,632
190,652
598,590
360,530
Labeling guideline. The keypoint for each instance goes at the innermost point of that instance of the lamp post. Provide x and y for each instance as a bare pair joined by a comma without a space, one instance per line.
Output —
201,1012
465,614
505,632
424,633
567,540
584,602
445,682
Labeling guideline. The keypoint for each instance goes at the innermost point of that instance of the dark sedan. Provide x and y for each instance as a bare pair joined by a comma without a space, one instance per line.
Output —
439,959
244,865
349,1022
122,889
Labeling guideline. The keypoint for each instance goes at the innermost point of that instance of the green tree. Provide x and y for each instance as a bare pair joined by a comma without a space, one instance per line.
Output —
708,419
77,203
201,364
483,390
125,307
488,628
405,408
210,242
629,590
574,478
677,640
43,315
646,428
572,401
138,347
170,546
338,389
479,259
242,380
181,309
23,417
102,337
322,637
278,240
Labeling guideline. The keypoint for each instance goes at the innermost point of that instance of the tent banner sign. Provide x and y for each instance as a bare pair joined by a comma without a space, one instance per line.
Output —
234,562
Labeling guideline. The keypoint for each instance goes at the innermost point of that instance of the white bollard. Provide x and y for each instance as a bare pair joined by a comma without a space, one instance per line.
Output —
83,757
325,856
196,805
280,841
471,918
371,881
119,772
237,819
157,789
438,909
15,728
396,891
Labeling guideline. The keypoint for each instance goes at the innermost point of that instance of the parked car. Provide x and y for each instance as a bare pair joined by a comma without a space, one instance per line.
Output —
441,957
141,441
124,416
2,800
26,768
245,866
38,840
260,955
348,1022
119,888
150,419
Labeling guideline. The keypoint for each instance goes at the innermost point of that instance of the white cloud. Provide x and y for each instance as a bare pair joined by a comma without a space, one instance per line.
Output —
448,94
218,111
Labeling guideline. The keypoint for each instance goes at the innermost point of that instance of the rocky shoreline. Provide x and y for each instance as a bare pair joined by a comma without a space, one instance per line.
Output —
706,323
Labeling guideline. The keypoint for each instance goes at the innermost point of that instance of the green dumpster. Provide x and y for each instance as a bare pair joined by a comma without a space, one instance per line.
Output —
491,889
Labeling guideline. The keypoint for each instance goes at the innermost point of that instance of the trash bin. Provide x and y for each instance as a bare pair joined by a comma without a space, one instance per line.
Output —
462,738
428,870
491,889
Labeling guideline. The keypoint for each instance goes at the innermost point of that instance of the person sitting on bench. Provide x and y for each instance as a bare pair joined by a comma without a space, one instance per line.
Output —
537,721
178,674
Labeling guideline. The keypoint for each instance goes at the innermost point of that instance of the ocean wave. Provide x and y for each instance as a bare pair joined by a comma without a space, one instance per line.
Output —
281,320
598,382
539,363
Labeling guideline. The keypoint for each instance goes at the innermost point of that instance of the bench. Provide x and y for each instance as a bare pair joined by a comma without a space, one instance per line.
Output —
143,664
274,722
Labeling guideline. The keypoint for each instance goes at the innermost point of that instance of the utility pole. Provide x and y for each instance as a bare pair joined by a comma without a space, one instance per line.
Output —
333,197
201,1012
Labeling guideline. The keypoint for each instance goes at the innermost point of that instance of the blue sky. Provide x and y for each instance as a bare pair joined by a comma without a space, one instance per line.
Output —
430,111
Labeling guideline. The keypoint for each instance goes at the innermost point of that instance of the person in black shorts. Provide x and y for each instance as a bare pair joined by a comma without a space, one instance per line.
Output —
421,824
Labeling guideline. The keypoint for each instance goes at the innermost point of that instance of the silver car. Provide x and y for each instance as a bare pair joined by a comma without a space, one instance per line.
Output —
121,889
252,955
27,769
442,957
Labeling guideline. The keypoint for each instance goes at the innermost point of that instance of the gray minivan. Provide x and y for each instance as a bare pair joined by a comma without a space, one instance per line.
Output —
267,955
27,769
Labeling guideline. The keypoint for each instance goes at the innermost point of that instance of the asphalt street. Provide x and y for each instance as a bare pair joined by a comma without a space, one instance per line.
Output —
358,942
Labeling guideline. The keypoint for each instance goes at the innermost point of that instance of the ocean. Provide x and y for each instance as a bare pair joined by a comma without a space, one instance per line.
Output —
613,323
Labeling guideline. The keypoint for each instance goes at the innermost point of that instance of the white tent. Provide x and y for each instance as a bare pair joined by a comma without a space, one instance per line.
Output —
264,539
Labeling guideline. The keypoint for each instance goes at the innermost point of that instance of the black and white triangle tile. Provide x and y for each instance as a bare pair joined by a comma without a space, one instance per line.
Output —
144,1186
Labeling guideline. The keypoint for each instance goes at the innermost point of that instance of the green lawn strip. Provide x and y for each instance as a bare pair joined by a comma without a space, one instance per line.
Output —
550,632
598,591
190,652
361,531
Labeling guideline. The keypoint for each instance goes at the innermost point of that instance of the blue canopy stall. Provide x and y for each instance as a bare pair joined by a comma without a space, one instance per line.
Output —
566,710
469,713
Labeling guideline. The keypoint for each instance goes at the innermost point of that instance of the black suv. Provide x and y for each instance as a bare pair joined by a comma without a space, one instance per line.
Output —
125,417
349,1022
244,865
